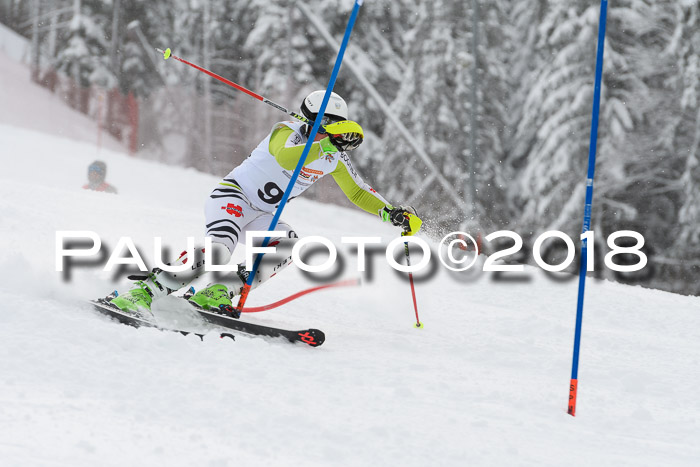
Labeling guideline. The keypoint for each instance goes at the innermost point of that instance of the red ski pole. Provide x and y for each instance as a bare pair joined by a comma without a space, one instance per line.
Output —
168,54
418,324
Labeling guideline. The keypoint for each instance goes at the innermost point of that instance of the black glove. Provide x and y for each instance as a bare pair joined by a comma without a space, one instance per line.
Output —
345,135
346,141
398,217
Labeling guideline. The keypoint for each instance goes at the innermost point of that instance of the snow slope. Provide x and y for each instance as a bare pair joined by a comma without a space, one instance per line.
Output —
14,46
485,383
24,104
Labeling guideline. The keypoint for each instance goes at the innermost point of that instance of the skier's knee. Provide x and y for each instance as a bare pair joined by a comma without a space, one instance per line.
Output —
290,236
176,280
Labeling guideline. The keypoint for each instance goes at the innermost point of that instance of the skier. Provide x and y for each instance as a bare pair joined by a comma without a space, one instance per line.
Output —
97,172
246,199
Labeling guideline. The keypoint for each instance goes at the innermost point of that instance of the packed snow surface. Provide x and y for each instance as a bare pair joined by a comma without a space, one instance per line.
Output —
484,383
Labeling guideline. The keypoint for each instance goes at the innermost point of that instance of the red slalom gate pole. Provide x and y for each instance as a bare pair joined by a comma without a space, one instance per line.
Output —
256,309
168,54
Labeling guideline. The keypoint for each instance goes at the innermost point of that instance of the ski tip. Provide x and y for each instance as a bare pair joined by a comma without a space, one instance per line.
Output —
166,54
312,337
418,326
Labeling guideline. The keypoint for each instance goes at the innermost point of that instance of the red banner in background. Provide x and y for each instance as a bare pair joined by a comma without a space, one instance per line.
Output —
119,116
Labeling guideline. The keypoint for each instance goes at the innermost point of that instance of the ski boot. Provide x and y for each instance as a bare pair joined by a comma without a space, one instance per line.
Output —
137,301
216,298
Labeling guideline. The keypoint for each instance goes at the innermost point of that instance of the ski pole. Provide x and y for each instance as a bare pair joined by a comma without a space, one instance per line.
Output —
418,324
168,54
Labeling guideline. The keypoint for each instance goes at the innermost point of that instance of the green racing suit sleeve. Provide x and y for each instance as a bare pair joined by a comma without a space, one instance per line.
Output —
357,191
288,157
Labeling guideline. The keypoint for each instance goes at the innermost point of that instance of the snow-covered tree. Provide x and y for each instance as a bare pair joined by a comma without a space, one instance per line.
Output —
551,139
84,53
433,103
494,125
686,48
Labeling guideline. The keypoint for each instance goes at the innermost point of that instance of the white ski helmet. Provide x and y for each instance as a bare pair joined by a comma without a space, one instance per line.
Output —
336,110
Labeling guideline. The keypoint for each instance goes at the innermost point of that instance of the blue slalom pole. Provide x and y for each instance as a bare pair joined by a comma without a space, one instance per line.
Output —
307,148
573,387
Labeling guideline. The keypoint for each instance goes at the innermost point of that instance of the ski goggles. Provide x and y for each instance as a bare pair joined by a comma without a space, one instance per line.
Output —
327,120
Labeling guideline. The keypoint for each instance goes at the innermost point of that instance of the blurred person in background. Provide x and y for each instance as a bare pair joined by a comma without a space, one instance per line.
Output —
97,172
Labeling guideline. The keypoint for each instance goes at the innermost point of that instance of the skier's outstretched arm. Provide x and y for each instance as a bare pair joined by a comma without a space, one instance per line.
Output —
367,198
356,189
